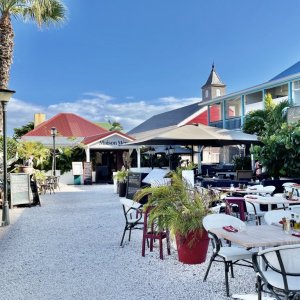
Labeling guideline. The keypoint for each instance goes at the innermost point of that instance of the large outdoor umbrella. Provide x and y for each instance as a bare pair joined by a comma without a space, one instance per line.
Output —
198,134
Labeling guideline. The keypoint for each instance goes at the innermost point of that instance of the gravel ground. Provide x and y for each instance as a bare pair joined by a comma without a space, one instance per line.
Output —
69,249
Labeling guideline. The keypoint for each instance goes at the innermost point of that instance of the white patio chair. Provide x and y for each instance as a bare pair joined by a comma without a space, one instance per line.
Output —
274,216
229,255
267,190
253,209
280,273
295,209
133,216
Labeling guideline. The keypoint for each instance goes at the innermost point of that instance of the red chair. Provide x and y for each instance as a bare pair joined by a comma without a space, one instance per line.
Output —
236,201
149,232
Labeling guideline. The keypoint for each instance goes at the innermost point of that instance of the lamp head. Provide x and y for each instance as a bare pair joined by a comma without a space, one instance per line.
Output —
5,95
53,131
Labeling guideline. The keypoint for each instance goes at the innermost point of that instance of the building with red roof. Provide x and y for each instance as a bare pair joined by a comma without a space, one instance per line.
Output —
104,148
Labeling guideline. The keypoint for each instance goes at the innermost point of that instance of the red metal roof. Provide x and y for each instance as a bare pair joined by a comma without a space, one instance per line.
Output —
67,125
94,138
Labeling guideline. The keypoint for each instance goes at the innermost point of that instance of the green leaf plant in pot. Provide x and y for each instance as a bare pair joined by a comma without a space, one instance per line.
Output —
121,177
180,208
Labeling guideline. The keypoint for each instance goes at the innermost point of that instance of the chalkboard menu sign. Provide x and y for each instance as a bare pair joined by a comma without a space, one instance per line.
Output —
20,191
87,172
134,183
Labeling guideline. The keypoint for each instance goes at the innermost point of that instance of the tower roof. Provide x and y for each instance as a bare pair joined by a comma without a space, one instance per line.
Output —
213,79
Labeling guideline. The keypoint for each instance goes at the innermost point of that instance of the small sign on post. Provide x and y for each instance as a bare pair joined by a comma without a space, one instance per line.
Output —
87,173
77,171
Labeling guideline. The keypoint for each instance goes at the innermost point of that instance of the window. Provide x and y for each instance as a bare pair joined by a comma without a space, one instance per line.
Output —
233,108
297,85
218,93
206,93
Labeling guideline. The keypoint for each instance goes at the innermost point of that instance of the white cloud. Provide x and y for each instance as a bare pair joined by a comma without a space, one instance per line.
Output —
97,107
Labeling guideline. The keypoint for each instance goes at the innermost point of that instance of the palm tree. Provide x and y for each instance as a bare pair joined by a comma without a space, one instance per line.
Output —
42,12
115,126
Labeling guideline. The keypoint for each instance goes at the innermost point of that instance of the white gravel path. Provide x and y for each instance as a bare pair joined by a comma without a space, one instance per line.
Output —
69,249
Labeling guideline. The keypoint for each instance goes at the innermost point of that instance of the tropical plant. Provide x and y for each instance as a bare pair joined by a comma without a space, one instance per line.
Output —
40,176
242,163
65,156
280,152
115,126
42,12
121,175
28,149
178,206
11,147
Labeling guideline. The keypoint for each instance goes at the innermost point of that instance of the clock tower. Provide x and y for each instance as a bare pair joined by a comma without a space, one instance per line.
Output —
213,87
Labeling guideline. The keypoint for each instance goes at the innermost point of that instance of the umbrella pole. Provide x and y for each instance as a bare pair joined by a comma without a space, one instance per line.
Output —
200,148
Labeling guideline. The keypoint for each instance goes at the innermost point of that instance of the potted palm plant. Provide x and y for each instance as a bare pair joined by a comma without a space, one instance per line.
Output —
33,154
121,177
181,209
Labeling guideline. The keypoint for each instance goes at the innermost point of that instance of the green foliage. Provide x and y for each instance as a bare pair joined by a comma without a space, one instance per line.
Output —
178,206
269,103
121,175
65,157
115,126
280,152
255,122
19,132
40,153
40,175
242,163
11,147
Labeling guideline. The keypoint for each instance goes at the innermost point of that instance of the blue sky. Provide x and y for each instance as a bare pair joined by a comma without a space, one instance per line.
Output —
127,60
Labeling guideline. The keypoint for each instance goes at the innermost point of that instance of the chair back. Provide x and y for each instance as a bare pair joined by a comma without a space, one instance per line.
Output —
295,209
274,216
269,189
220,220
283,259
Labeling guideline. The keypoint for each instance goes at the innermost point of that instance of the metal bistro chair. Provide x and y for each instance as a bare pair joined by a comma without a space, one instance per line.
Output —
229,255
133,217
150,232
279,274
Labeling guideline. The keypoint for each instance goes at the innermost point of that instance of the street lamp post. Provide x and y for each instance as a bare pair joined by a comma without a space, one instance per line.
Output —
5,96
169,152
53,133
151,153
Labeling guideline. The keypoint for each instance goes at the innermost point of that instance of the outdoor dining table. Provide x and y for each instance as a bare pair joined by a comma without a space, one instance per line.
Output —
257,236
269,200
233,190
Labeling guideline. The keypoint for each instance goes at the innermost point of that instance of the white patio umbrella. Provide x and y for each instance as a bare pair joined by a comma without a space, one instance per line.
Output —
198,134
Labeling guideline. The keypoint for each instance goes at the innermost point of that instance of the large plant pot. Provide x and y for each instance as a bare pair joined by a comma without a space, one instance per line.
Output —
25,169
192,249
122,189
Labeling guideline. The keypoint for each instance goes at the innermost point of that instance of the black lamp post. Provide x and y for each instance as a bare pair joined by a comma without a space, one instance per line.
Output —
169,152
151,153
5,96
53,133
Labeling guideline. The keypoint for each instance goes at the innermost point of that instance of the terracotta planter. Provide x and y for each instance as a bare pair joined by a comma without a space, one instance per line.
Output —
26,169
192,249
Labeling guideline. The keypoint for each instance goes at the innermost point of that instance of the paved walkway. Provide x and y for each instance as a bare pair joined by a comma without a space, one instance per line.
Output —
69,249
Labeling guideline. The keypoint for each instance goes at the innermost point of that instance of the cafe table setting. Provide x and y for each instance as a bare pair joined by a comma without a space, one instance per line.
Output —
261,237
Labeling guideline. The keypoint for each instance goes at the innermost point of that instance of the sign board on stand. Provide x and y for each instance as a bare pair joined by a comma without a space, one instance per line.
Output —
87,172
134,183
20,190
77,170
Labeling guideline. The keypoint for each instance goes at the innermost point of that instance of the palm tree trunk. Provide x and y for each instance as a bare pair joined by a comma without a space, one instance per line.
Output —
6,49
